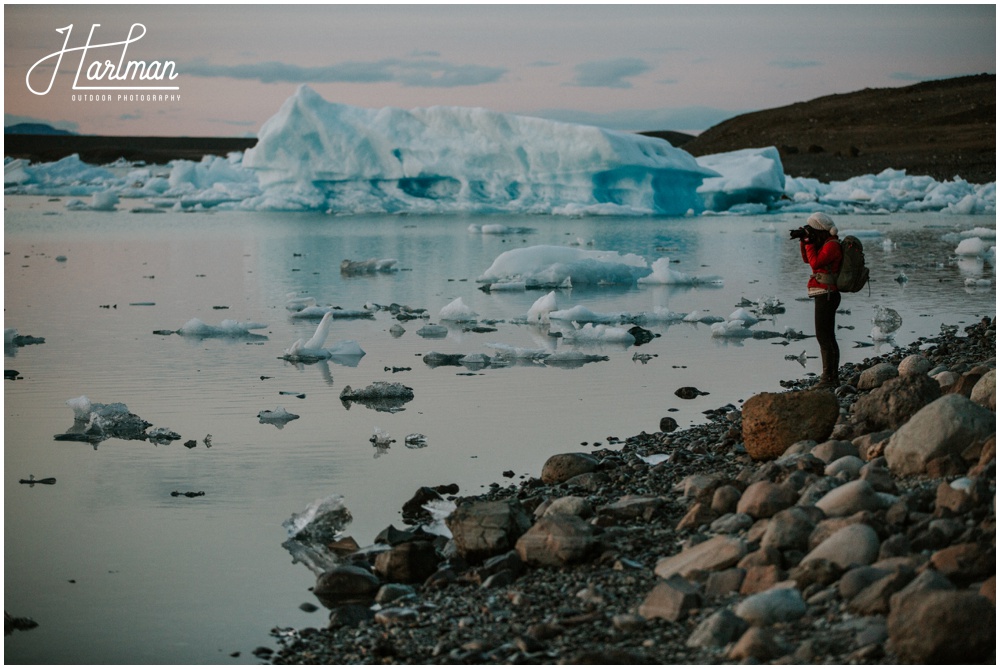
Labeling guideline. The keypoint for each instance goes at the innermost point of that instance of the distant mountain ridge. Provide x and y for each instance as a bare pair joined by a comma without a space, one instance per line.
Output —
942,129
34,129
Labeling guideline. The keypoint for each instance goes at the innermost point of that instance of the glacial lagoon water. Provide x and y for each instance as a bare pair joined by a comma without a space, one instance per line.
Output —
117,570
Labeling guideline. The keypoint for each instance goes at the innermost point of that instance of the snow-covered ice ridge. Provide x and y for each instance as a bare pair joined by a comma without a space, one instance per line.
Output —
314,155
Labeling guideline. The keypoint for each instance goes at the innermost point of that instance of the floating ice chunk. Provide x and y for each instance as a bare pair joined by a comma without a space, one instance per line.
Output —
381,438
457,312
543,306
314,312
106,200
879,335
370,266
659,315
415,440
499,229
554,265
104,421
735,329
654,458
508,352
743,315
432,331
294,304
80,406
227,328
887,318
277,417
323,520
747,176
599,334
581,314
698,316
508,286
978,283
475,360
313,349
971,246
663,275
380,396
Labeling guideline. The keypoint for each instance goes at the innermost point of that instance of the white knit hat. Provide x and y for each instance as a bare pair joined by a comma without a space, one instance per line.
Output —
821,221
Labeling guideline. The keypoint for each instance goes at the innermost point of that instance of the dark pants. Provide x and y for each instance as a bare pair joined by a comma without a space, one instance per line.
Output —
826,315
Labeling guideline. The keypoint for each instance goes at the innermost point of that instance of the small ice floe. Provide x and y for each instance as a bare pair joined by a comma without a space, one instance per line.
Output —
510,286
570,359
542,308
599,334
499,229
734,329
743,315
312,349
658,315
432,331
978,283
800,358
294,303
197,328
12,341
380,396
887,319
561,266
440,510
370,266
643,357
106,200
457,312
654,459
95,422
698,316
581,314
415,440
888,245
312,532
770,305
663,275
791,333
901,278
381,438
278,417
397,330
162,435
971,246
879,335
315,312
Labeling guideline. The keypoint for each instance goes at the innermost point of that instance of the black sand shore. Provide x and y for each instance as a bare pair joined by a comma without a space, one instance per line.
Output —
607,580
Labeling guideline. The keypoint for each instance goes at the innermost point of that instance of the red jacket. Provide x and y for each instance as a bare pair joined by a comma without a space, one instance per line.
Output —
825,263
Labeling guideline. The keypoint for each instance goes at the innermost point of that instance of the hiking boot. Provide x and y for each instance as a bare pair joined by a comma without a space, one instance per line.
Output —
827,383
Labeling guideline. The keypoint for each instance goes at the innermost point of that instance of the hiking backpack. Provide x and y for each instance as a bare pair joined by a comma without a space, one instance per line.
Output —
853,274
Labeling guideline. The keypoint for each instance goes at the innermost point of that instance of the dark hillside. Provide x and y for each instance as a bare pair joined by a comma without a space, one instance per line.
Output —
937,128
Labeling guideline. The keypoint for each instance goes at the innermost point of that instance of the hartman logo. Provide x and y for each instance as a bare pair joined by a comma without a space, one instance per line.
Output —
104,68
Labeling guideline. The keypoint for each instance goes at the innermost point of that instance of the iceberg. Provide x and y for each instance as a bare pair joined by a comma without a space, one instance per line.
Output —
661,274
317,154
227,328
554,266
747,176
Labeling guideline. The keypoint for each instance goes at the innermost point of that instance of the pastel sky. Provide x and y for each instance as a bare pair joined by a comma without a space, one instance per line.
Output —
635,67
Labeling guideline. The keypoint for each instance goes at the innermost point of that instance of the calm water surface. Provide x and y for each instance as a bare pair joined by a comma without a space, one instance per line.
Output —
116,570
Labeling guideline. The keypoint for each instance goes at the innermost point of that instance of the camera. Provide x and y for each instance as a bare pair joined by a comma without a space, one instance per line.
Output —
800,233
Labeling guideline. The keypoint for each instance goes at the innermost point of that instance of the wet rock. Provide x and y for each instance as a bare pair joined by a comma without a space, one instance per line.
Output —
557,540
850,498
699,514
630,507
774,421
878,476
390,592
756,645
946,426
914,364
717,553
564,466
762,577
717,630
671,599
397,615
848,467
772,606
725,499
482,529
411,562
965,563
668,424
855,544
570,505
789,529
894,403
875,376
944,627
984,393
731,523
952,500
345,584
764,499
833,449
350,615
875,598
721,583
688,393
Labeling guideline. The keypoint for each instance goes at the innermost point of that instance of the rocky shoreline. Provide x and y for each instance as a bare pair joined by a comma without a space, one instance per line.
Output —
847,527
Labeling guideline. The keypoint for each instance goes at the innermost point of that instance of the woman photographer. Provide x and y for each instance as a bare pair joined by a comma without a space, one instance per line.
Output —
820,248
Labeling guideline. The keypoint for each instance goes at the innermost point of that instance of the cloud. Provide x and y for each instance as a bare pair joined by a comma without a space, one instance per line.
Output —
610,73
682,119
791,64
417,73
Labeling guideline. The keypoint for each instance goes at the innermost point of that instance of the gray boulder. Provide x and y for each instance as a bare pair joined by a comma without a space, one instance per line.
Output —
946,426
483,529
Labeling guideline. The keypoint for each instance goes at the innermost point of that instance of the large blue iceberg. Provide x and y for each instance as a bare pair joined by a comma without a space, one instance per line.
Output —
316,154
